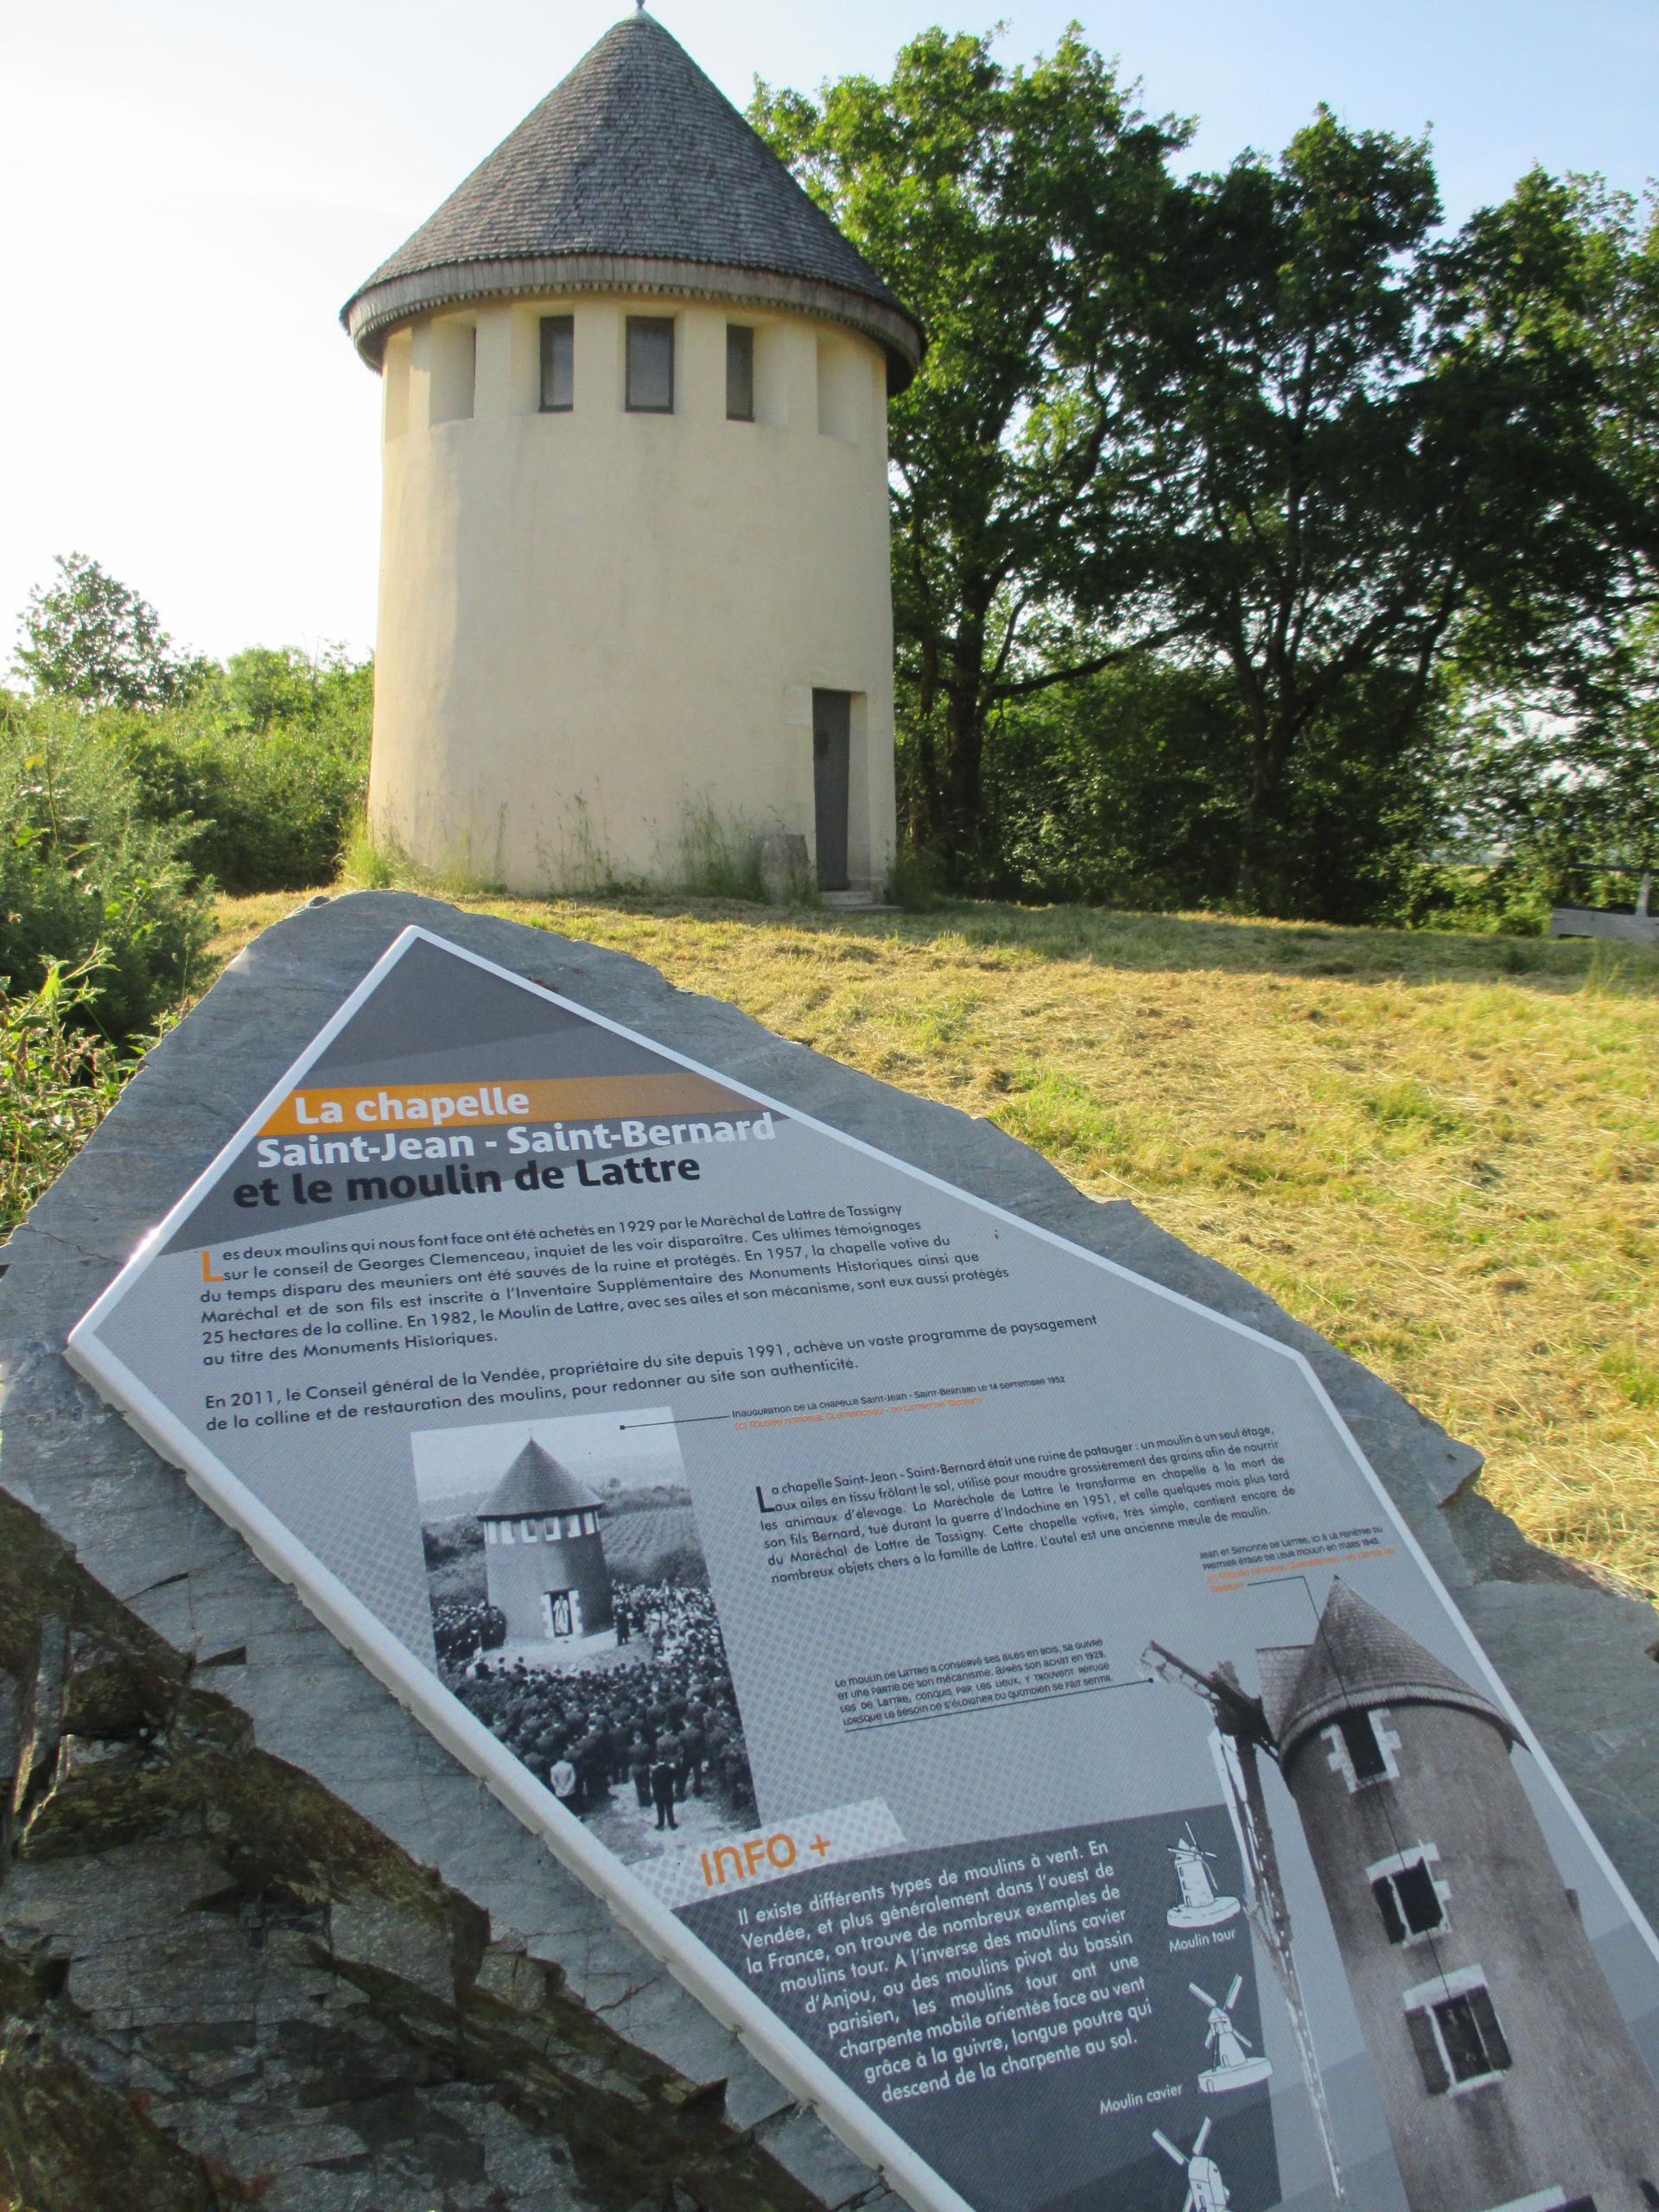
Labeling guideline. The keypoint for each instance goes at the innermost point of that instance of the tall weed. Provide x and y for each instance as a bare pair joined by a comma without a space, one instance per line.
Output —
57,1082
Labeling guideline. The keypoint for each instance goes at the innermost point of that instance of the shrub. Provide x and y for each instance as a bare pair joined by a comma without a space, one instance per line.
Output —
88,880
269,760
275,806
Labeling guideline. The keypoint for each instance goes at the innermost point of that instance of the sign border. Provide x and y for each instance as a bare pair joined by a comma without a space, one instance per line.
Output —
761,2031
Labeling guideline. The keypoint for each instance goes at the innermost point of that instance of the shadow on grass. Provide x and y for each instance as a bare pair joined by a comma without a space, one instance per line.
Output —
1194,943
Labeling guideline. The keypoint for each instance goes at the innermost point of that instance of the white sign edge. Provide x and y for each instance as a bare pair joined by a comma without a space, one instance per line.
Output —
692,1962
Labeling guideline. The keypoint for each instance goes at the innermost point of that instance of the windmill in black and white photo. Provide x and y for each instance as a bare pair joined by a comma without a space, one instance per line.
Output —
1506,2073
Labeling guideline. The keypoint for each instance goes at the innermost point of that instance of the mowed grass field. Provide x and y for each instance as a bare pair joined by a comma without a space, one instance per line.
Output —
641,1543
1440,1151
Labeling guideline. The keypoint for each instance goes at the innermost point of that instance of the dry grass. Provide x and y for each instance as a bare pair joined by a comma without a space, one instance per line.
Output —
1442,1152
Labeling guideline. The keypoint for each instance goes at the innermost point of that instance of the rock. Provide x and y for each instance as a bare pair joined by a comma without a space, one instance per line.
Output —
785,870
261,1938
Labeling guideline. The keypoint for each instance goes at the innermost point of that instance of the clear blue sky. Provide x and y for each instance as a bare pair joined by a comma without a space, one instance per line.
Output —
191,190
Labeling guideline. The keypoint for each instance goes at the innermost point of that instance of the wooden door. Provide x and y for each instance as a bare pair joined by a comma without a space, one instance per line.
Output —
832,731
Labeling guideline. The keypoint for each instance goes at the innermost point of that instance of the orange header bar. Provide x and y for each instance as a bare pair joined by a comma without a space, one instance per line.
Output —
482,1105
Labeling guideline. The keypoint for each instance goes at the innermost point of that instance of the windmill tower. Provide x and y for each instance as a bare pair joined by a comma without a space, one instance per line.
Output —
1206,2190
634,588
1506,2075
545,1562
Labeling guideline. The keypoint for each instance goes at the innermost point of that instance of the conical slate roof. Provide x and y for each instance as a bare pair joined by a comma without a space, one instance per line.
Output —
1359,1659
536,1482
635,172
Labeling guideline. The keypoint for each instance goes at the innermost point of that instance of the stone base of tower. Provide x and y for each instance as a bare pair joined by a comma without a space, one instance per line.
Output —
560,1654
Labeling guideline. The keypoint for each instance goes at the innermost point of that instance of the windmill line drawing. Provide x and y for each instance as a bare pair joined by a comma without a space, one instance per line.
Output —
1234,2069
1206,2190
1202,1905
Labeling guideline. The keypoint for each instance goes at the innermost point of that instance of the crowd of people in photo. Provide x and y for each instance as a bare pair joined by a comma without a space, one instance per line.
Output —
461,1627
664,1725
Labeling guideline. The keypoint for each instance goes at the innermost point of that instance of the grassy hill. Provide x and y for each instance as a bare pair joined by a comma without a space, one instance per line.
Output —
1441,1151
654,1541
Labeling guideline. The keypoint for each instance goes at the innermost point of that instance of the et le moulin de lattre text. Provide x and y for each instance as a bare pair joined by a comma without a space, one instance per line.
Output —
451,1166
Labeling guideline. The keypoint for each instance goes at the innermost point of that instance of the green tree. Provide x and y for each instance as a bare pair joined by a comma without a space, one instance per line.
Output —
1133,787
1015,211
1557,772
266,686
1557,788
1619,243
1270,417
1359,439
89,638
1123,787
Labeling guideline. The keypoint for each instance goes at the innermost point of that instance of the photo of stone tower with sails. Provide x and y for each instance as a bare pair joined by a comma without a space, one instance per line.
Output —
1509,2078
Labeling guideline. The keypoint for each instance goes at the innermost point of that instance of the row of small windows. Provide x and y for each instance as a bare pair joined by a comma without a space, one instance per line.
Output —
648,366
1452,2024
757,382
542,1527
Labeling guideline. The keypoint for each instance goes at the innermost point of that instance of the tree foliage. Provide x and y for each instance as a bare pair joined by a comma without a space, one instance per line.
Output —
88,880
58,1079
89,638
1556,764
133,783
1559,785
269,759
255,771
1361,436
1272,422
1015,210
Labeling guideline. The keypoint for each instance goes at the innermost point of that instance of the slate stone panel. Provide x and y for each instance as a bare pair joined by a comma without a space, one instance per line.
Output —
255,1927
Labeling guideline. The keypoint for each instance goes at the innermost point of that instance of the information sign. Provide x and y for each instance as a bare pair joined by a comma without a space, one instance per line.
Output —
996,1683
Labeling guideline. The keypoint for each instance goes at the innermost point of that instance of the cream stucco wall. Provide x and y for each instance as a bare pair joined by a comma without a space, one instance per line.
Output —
598,630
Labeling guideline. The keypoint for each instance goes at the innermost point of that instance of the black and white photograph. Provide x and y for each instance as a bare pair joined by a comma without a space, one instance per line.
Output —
572,1614
1477,1984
